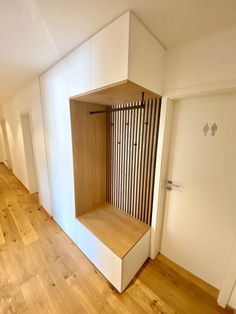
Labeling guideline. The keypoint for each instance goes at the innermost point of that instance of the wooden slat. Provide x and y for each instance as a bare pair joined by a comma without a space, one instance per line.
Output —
125,174
123,157
135,160
139,172
118,144
132,157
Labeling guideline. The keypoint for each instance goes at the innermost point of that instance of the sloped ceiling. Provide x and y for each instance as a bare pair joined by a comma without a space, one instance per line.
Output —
34,34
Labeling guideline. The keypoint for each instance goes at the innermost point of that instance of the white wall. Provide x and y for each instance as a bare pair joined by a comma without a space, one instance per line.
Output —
205,65
206,62
146,57
29,100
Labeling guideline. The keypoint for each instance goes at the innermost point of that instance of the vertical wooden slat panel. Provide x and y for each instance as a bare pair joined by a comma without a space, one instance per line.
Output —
125,159
132,143
121,157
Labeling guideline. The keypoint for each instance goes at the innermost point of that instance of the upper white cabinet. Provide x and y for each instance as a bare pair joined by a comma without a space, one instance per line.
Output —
126,50
123,50
109,53
146,57
79,69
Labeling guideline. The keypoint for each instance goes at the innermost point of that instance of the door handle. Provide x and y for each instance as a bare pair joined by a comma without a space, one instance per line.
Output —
171,185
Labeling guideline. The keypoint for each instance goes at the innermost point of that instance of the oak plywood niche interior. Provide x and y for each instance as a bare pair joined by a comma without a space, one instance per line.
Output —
114,154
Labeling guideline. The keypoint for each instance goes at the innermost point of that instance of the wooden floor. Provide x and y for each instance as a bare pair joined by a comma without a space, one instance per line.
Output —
42,271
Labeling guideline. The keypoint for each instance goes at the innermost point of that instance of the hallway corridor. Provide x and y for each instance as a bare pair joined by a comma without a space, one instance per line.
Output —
42,271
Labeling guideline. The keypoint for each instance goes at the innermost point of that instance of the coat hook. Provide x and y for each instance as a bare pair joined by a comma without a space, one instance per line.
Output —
142,101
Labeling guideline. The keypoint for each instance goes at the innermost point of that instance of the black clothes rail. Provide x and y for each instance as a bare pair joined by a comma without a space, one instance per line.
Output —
118,109
121,109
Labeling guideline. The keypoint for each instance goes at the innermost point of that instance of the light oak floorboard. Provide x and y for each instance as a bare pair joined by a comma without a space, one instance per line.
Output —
23,225
2,239
42,270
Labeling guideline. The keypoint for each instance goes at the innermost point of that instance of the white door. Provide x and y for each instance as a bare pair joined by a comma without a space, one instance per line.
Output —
6,145
200,216
29,152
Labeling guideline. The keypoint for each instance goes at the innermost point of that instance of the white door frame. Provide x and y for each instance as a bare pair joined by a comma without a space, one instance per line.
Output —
28,112
6,144
161,170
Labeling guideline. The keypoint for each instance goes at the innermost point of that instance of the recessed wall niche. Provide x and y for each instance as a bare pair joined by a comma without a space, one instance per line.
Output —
114,153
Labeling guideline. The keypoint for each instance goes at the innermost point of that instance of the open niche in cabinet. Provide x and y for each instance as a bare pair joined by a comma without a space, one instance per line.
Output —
114,134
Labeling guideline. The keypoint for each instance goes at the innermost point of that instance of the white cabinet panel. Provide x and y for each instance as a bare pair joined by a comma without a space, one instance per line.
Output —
79,69
56,112
134,260
232,300
109,53
108,263
146,57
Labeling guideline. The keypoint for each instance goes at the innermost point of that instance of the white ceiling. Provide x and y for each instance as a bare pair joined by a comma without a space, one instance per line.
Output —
34,34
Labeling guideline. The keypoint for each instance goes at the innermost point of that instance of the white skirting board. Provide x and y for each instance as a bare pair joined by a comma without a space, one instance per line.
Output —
119,272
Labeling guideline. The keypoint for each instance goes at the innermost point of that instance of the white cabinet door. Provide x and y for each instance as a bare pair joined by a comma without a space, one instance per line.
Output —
56,109
79,69
109,53
146,57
